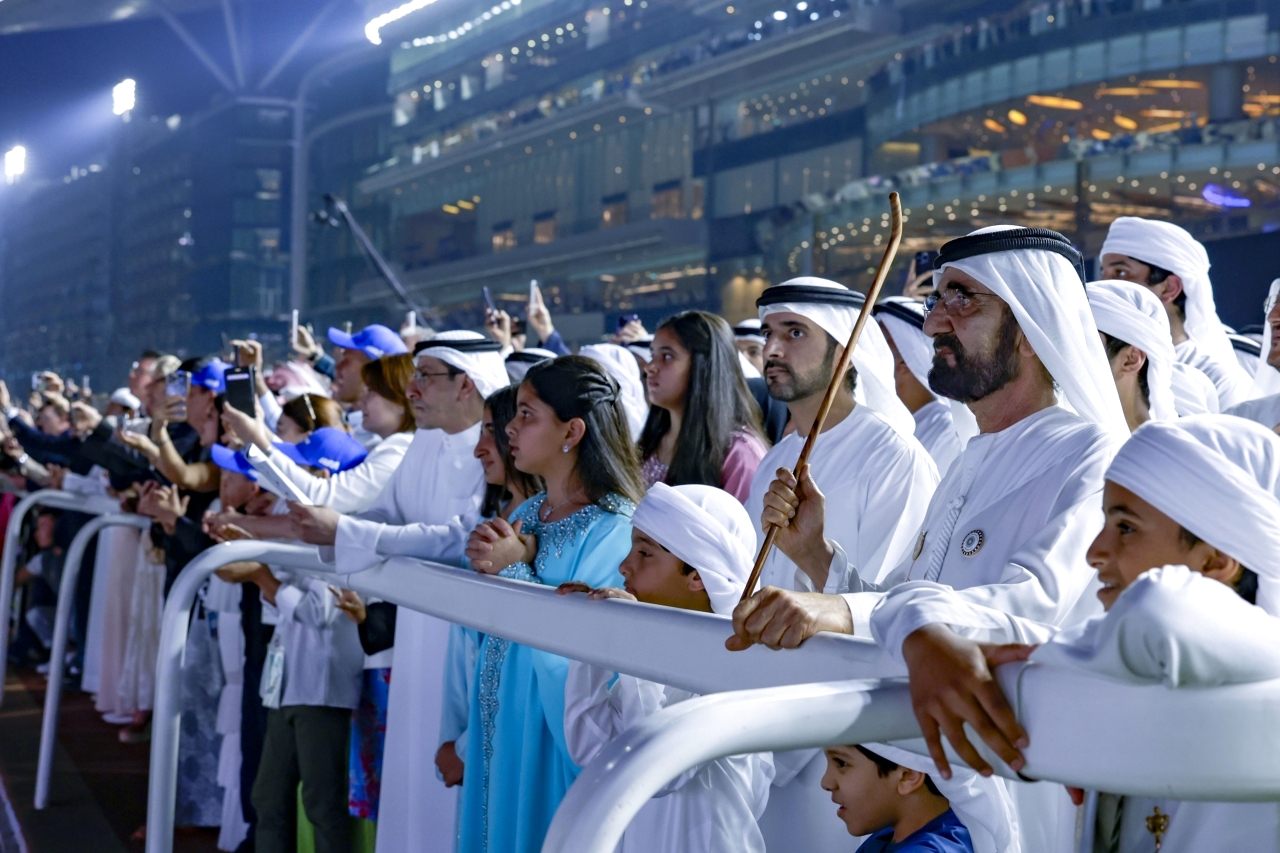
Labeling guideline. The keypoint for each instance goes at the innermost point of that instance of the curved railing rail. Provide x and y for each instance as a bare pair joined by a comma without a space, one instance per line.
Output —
57,499
61,628
639,639
1085,731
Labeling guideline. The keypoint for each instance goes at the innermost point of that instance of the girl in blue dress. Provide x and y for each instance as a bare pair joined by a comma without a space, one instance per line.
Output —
570,430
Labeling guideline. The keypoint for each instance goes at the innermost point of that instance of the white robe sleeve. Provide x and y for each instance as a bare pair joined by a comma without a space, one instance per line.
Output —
1176,627
596,712
271,411
350,491
911,606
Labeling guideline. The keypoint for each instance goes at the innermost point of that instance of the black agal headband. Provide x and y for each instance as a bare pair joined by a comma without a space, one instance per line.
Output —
780,293
468,345
1010,240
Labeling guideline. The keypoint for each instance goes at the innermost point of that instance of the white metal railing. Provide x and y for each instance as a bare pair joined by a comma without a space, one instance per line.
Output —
71,569
639,639
1143,748
777,705
92,504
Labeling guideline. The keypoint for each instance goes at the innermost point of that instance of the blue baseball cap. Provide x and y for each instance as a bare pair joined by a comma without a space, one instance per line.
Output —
374,341
232,460
212,376
327,448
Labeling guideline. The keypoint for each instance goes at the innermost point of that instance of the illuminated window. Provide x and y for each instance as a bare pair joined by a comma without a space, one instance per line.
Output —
668,200
504,237
544,227
615,211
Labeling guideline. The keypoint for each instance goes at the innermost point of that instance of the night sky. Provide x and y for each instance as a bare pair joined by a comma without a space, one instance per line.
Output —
55,85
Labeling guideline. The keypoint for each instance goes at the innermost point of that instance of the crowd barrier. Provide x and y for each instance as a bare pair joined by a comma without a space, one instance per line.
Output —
91,504
61,628
1086,731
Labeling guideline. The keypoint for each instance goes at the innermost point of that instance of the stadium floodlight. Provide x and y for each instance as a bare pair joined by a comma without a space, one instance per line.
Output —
15,162
123,96
373,29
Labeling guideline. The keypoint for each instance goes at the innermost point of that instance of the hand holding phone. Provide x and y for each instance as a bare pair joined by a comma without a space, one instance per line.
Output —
176,387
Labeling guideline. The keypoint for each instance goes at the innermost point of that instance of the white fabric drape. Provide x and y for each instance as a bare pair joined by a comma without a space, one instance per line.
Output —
1133,314
485,369
871,358
1048,300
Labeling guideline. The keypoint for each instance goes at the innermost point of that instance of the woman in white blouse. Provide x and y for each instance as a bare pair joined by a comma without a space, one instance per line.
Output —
386,412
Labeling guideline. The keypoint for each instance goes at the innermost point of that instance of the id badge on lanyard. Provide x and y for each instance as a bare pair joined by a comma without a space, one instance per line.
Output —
271,687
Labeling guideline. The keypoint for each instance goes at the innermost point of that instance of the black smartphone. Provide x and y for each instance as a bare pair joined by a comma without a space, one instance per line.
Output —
241,383
625,320
925,262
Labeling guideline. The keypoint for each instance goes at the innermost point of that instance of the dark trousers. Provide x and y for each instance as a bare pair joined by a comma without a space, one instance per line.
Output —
310,744
253,717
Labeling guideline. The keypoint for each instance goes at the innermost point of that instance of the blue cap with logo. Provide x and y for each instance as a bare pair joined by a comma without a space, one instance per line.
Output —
328,448
232,460
212,376
374,341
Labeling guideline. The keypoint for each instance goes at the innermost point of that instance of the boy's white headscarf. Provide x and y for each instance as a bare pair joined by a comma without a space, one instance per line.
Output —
621,365
1267,379
1169,247
1133,314
872,357
472,353
982,803
708,529
1047,297
1219,477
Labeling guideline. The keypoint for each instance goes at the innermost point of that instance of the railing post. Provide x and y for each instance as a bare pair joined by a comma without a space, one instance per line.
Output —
62,626
9,557
167,711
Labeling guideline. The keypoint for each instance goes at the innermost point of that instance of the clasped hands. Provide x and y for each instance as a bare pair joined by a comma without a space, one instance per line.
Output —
496,544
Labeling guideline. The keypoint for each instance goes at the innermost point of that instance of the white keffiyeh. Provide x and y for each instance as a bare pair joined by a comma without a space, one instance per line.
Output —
1133,314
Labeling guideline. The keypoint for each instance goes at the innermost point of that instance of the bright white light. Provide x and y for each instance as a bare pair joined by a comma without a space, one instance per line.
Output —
373,29
15,162
123,96
801,6
779,15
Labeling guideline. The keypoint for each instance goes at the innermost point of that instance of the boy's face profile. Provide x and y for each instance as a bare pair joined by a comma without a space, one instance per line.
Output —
236,489
868,802
656,576
1137,537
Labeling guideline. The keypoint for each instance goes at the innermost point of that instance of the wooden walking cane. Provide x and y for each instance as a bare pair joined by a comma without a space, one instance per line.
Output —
895,237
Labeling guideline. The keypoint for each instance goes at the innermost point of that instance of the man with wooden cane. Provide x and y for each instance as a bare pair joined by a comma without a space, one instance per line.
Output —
1009,524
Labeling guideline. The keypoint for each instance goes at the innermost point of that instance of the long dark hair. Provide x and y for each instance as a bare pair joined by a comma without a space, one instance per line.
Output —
311,411
577,387
502,407
716,403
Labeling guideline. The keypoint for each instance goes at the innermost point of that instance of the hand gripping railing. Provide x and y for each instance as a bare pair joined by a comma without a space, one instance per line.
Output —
62,626
57,499
678,647
1085,731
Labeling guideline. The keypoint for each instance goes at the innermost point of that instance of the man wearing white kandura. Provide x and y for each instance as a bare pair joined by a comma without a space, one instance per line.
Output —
877,478
426,510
